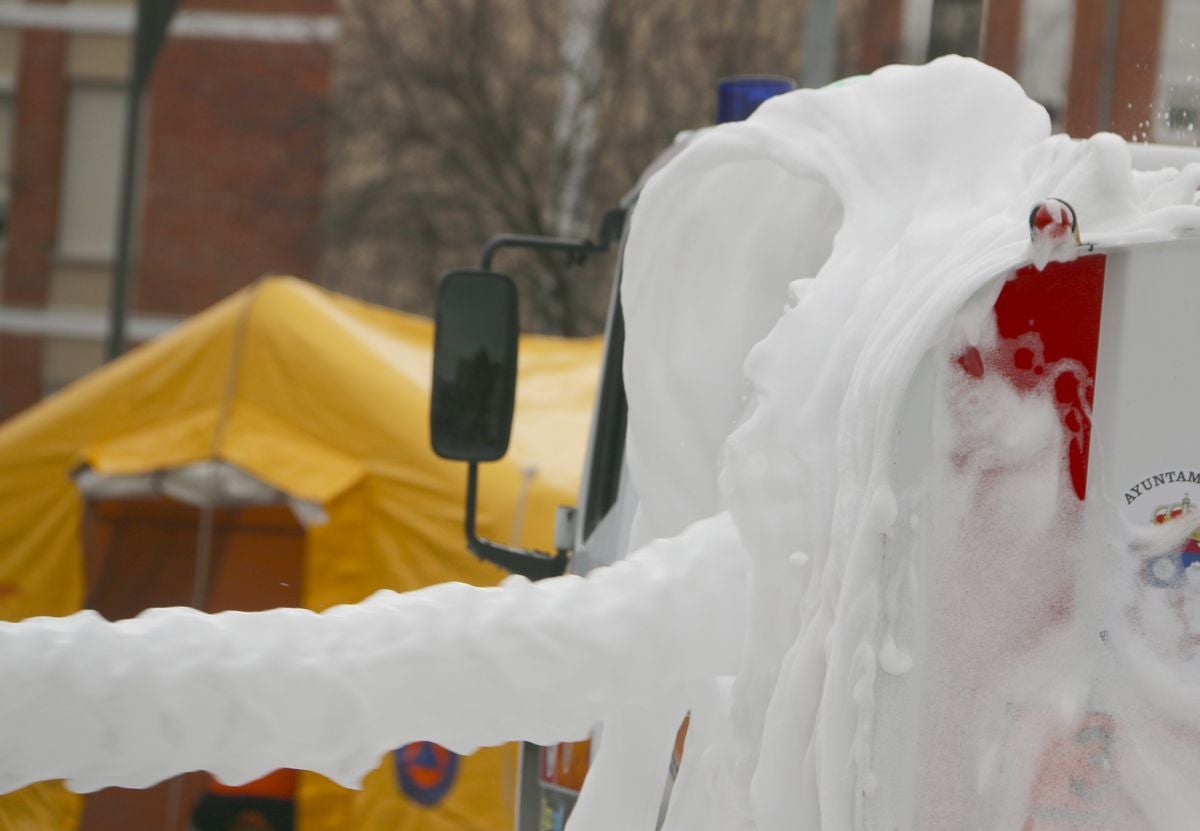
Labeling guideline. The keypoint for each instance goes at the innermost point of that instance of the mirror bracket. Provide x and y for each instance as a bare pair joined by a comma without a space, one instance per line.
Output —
535,565
577,250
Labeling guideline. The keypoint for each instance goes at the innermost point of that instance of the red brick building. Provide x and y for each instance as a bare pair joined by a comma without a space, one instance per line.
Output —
1127,66
232,169
234,138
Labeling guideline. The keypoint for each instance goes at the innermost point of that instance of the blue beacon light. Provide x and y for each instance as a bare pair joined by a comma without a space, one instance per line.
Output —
740,96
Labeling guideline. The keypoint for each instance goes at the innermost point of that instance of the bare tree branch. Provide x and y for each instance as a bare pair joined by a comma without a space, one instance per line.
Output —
450,128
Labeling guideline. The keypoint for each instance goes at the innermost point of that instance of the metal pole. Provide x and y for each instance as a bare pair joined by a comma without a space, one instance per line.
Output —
1108,67
118,305
201,578
820,44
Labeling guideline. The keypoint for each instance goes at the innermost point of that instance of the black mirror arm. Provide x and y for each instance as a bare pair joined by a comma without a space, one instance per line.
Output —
575,249
612,226
532,564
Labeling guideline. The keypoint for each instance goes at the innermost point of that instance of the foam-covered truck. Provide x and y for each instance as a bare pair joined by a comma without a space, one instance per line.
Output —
1108,329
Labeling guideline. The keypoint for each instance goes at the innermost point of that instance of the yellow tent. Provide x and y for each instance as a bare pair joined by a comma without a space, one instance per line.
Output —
305,415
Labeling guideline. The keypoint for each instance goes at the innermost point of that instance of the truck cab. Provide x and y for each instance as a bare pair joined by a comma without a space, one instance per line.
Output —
597,531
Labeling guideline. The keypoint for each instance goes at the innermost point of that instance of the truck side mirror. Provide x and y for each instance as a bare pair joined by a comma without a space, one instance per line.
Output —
474,365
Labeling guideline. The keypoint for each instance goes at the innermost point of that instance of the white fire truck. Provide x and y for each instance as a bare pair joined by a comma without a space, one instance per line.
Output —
1080,311
596,532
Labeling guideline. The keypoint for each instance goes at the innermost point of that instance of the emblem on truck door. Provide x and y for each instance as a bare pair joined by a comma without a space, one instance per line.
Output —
425,772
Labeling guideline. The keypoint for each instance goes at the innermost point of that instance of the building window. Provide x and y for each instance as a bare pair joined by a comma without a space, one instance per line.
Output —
1181,119
1044,64
66,359
91,172
1178,87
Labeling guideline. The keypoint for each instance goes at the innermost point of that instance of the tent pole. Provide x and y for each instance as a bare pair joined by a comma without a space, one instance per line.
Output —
528,474
200,581
204,541
174,803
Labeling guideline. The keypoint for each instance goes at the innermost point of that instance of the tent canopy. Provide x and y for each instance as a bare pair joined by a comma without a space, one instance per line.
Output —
320,397
282,396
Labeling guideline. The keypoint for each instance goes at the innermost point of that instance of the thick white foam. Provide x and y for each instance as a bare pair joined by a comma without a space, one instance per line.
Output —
798,448
933,172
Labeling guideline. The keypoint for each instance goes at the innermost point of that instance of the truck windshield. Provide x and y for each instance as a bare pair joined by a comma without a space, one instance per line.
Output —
608,443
